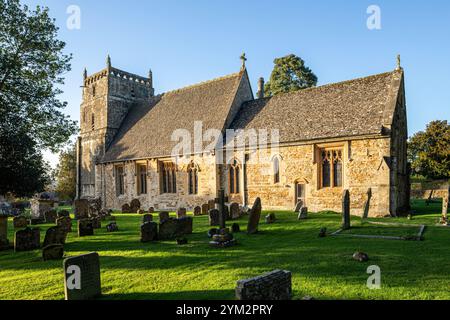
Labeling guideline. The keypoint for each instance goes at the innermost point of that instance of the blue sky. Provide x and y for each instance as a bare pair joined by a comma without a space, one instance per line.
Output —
186,42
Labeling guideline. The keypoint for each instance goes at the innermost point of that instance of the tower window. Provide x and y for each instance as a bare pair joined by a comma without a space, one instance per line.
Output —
93,121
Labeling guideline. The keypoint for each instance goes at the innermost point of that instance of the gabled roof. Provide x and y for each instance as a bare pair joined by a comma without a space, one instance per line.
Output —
350,108
147,129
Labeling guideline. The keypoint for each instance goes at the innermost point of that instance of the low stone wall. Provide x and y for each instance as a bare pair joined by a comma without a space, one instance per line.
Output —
425,194
275,285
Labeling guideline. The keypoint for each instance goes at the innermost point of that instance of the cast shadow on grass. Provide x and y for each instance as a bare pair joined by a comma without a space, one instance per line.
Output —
177,295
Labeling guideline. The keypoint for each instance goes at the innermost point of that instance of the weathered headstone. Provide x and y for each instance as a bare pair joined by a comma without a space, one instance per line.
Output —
20,222
51,216
4,242
346,210
85,228
303,214
235,211
367,204
53,252
65,223
255,215
275,285
54,235
81,208
147,218
163,216
197,211
135,205
298,206
39,206
223,209
181,213
126,208
205,209
95,206
27,239
173,228
140,211
223,239
214,217
149,231
82,277
112,227
151,210
270,218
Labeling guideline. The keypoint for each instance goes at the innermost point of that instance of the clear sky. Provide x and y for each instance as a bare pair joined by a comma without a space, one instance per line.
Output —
185,42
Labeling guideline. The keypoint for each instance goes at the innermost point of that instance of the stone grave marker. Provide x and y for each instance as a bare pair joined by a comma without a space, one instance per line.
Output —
163,216
346,210
85,228
214,218
20,222
270,218
151,210
298,206
303,214
197,211
173,228
4,242
181,213
149,231
235,211
81,208
205,209
275,285
27,239
211,204
82,277
65,223
254,216
147,218
53,252
51,216
135,205
54,235
126,208
367,204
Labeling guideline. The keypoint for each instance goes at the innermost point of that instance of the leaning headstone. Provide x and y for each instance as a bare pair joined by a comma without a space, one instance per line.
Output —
147,218
298,206
85,228
303,214
4,242
149,231
181,213
197,211
20,222
346,210
255,215
214,218
275,285
53,252
82,277
270,218
51,216
367,204
135,205
163,216
205,209
81,208
65,223
126,208
235,211
55,235
27,239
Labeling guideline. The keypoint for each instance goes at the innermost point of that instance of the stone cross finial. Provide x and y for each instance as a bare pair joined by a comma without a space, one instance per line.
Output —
243,59
399,66
85,73
108,61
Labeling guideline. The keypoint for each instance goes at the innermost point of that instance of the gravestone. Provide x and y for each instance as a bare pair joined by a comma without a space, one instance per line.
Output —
367,204
163,216
181,213
85,228
255,215
54,235
126,208
223,209
27,239
235,211
112,227
51,216
205,209
151,210
149,231
65,223
147,218
4,242
346,210
95,206
214,218
20,222
275,285
226,213
81,208
298,206
82,277
141,211
173,228
53,252
303,214
135,205
211,204
270,218
40,206
63,213
197,211
223,239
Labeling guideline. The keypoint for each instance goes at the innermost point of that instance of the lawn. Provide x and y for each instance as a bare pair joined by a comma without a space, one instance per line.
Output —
321,267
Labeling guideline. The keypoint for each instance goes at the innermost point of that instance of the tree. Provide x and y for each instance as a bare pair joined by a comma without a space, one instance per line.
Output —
429,151
66,174
32,63
289,74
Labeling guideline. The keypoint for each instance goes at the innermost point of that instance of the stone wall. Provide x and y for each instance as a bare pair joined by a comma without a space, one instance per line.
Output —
275,285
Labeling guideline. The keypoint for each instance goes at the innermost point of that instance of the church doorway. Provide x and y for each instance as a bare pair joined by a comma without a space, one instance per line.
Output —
300,192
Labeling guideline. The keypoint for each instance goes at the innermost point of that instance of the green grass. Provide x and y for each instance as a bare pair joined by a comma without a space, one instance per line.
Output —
321,267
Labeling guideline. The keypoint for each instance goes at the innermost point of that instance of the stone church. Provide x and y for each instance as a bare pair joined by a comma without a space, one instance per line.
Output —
347,135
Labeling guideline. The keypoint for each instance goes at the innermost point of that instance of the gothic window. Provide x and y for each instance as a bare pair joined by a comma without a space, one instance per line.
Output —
331,168
276,170
142,178
192,178
93,121
168,177
233,177
120,186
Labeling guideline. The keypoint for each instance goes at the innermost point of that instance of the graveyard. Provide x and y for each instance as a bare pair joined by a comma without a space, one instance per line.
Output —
321,267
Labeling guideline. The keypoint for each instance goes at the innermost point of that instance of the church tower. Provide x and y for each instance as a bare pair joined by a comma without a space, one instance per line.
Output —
107,97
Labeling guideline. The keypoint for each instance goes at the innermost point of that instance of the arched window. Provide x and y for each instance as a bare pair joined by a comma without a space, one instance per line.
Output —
331,168
192,178
233,177
276,170
168,177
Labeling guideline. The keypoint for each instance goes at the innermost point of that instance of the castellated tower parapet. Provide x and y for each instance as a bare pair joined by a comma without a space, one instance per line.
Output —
108,95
